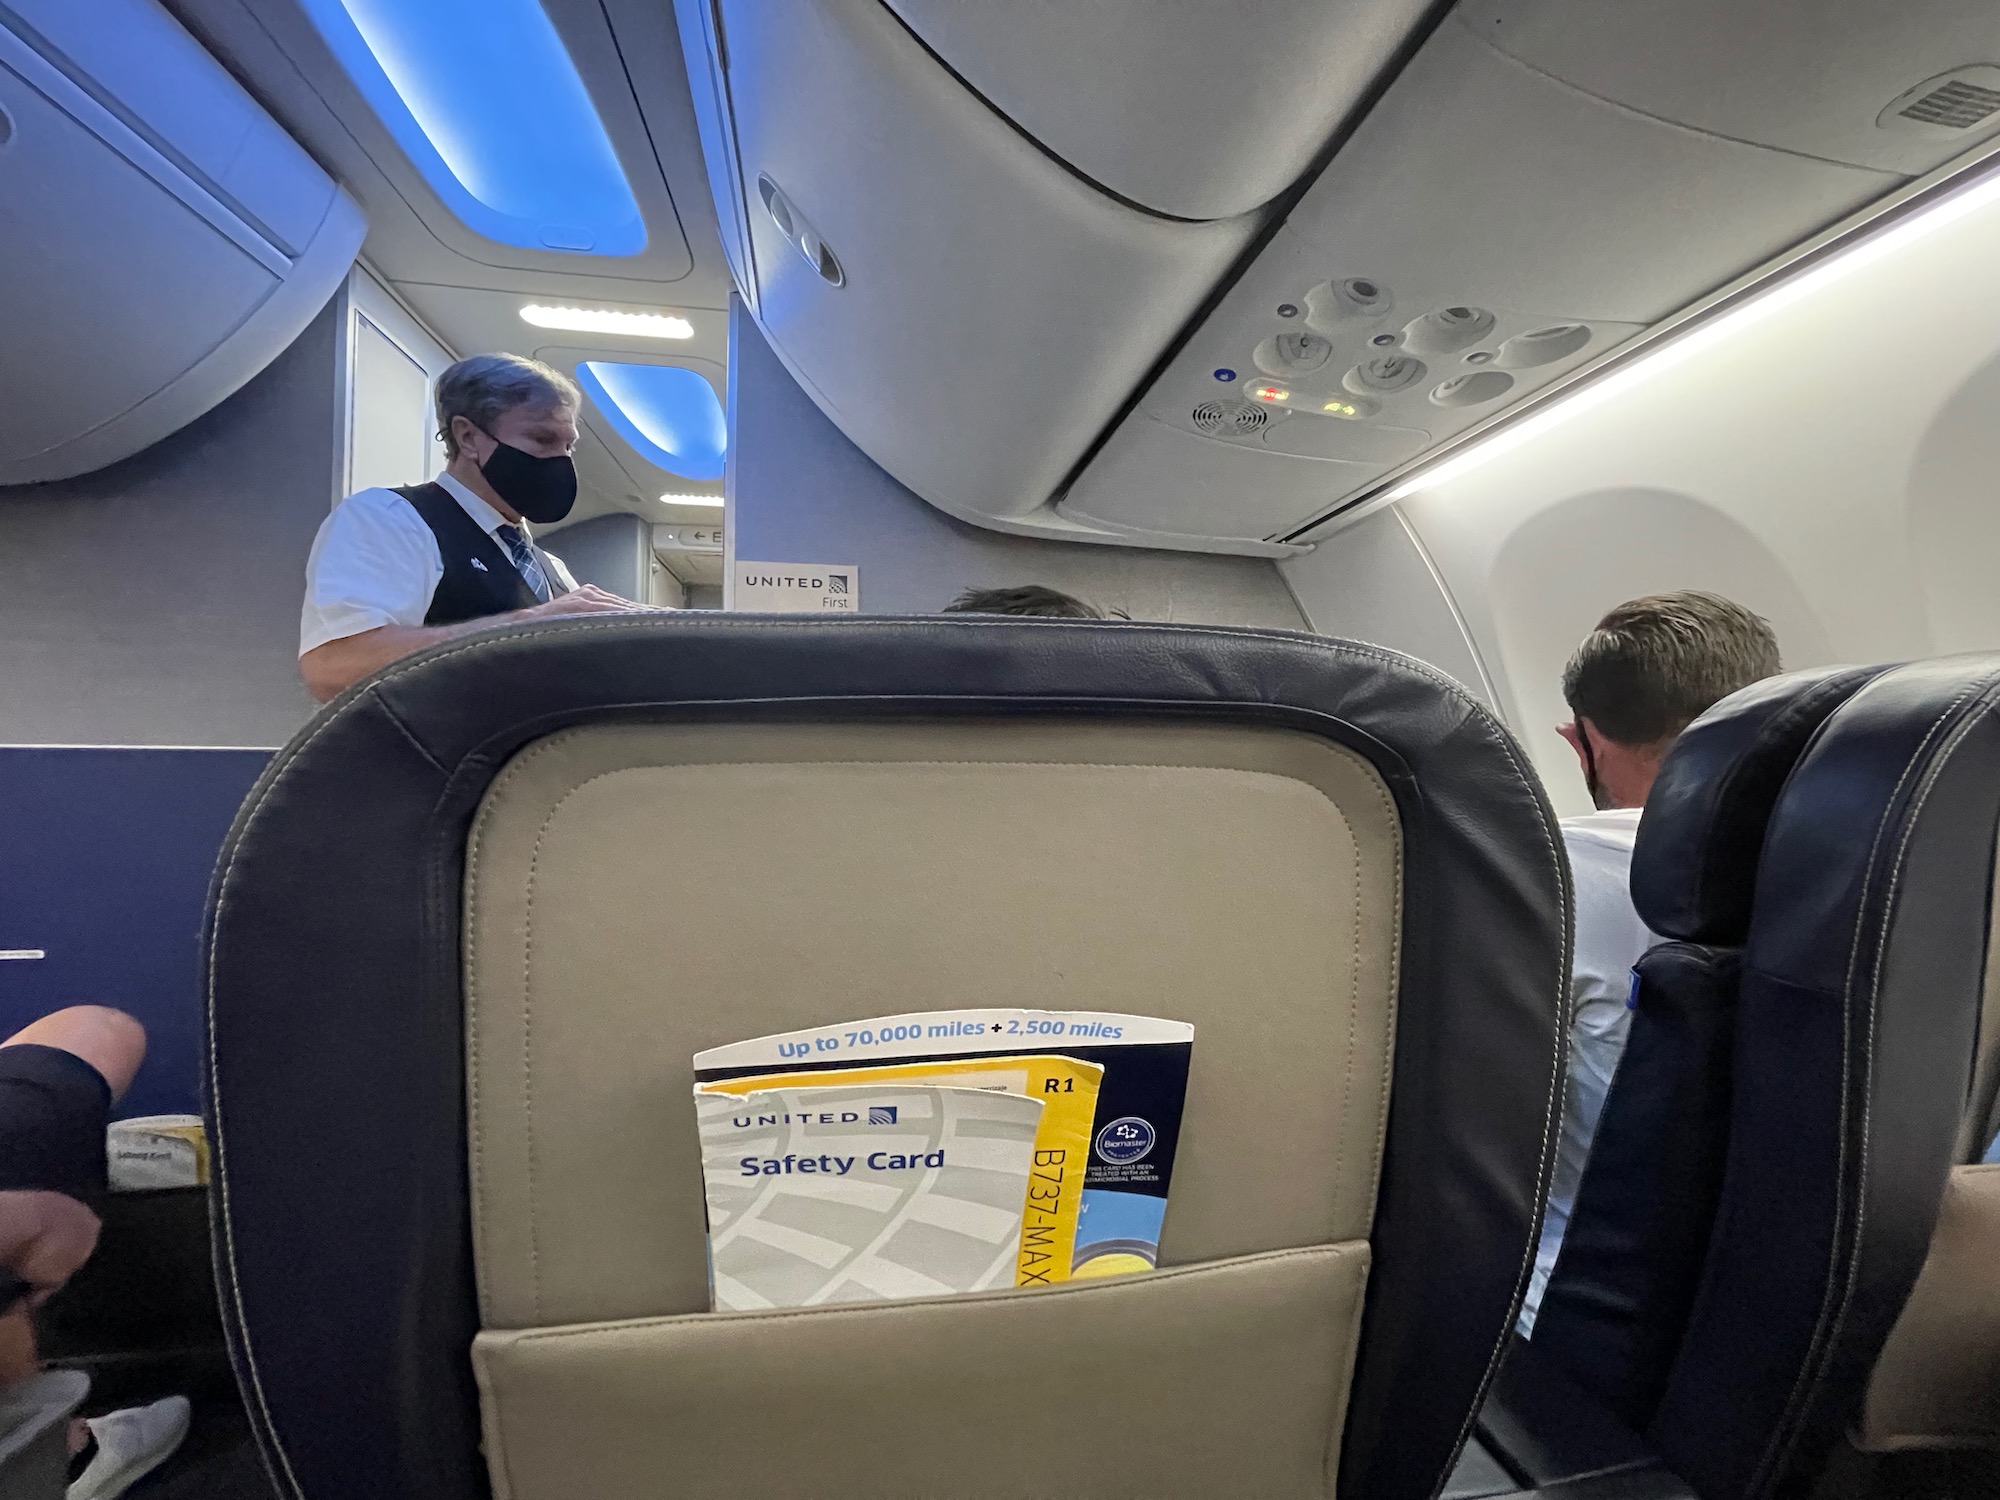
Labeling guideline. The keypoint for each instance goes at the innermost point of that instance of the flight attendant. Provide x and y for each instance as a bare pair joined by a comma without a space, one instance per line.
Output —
395,570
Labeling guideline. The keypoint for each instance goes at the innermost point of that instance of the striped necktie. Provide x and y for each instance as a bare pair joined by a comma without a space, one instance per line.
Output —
525,562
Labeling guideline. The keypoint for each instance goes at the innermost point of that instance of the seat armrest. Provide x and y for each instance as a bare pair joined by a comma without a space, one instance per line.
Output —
1652,1482
1548,1429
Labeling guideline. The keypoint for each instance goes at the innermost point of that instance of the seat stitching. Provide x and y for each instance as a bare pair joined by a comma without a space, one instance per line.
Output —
555,810
1329,1476
1507,747
1353,1027
220,1146
1334,1250
1551,1118
470,976
1395,997
1387,806
371,692
1329,644
1836,1298
1383,801
528,1045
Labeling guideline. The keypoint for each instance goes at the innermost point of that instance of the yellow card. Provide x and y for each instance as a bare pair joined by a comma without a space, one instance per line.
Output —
1067,1087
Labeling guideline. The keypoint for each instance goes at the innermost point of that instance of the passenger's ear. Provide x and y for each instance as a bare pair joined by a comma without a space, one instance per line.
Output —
470,441
1573,732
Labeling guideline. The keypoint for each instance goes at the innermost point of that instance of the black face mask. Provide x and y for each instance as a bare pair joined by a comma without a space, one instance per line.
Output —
541,489
1597,797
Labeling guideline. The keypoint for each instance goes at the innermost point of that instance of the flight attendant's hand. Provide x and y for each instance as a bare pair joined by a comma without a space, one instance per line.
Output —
587,600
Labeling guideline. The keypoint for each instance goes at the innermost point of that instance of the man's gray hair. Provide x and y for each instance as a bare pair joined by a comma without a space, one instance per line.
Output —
1655,665
486,385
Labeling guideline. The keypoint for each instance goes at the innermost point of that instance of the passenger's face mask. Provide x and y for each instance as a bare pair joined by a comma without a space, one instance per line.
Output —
1597,797
541,489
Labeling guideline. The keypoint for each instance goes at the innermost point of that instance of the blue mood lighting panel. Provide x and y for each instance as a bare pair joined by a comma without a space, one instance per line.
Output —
483,98
669,414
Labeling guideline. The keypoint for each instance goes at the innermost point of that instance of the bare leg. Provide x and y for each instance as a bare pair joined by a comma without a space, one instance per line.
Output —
18,1359
109,1040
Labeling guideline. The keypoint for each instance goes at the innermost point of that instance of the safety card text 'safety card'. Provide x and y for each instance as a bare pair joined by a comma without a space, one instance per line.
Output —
1067,1091
820,1207
855,1194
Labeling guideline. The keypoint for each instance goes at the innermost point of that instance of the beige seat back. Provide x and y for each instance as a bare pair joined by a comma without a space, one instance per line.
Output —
475,923
637,893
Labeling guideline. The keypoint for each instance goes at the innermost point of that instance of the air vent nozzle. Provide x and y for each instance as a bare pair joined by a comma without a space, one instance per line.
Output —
1384,375
1446,330
1333,303
1293,353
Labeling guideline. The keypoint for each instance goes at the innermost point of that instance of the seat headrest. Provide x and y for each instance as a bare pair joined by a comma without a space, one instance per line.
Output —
1695,863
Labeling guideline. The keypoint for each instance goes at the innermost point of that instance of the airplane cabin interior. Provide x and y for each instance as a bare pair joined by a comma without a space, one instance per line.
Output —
992,749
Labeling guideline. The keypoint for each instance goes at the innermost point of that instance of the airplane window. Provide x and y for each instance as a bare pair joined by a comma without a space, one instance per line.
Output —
668,413
454,81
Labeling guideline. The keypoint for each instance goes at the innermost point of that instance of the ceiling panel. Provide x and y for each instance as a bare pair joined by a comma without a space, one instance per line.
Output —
1808,76
413,237
1203,111
1487,230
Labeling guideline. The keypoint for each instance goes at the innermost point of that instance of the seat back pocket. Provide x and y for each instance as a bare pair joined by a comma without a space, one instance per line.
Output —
1201,1383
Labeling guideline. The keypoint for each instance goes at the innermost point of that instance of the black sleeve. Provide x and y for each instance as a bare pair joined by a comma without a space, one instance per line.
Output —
54,1107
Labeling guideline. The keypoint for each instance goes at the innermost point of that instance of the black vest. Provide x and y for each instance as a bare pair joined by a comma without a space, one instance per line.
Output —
479,578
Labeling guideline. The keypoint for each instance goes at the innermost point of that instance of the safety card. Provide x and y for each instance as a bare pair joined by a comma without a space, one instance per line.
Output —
810,1199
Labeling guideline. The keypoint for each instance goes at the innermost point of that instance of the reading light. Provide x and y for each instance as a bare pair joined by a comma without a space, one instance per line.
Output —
1867,250
714,501
608,320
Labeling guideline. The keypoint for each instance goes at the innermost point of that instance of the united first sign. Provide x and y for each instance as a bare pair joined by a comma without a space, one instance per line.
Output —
797,588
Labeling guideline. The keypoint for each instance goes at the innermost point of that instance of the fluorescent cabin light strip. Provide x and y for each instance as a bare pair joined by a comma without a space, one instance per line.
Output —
1705,336
713,501
607,320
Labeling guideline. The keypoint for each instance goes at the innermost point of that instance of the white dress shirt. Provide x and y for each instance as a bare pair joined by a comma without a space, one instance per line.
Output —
376,562
1610,939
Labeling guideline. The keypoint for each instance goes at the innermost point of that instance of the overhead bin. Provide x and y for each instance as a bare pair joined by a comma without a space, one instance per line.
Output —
1198,111
971,312
161,238
1504,216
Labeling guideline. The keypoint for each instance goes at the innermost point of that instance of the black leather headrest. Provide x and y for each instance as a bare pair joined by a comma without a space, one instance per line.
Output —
1695,864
